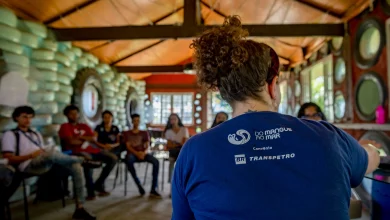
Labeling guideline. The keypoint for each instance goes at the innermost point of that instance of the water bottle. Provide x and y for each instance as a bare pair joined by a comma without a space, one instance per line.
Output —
380,115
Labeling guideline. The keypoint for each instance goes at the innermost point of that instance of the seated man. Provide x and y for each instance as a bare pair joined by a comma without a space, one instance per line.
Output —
108,135
78,137
25,150
137,142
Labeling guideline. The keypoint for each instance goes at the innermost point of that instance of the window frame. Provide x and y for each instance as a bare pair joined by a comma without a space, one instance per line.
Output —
328,72
172,94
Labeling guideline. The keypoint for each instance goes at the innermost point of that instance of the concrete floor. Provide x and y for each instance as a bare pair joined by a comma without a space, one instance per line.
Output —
115,207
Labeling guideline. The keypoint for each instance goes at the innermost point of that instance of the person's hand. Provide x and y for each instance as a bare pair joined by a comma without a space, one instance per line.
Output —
37,153
108,146
140,155
371,142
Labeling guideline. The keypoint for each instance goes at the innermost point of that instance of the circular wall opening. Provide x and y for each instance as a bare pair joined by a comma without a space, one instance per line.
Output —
370,93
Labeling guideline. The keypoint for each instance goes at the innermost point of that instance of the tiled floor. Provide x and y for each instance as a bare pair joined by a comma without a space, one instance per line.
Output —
115,207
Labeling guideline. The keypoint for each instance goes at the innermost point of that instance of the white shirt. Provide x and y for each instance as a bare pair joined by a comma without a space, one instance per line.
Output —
177,137
26,146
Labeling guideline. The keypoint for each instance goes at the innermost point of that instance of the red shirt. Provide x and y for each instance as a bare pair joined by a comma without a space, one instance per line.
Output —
137,140
70,130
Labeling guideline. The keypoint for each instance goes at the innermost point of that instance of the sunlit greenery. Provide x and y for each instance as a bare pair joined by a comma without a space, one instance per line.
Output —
317,85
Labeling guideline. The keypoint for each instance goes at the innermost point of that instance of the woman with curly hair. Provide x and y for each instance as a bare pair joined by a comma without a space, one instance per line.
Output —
261,164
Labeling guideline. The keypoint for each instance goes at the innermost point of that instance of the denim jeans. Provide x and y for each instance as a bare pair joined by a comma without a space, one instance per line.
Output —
109,160
131,159
45,161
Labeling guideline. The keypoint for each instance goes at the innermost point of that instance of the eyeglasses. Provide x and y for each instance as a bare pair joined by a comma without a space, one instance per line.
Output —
316,115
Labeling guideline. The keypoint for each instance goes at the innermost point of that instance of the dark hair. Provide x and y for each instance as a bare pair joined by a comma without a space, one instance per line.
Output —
22,110
169,125
215,119
107,112
69,108
135,116
301,112
237,67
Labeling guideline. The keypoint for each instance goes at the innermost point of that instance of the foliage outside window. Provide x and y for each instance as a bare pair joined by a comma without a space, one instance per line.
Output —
216,104
283,97
317,86
165,104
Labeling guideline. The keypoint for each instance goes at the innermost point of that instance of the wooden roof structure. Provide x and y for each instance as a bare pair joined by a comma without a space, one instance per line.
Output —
144,36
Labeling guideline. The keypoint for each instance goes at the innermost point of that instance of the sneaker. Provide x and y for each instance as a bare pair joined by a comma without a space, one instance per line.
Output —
141,190
154,194
82,214
101,191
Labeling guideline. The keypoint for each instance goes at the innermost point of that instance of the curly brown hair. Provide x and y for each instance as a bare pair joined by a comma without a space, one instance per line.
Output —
237,67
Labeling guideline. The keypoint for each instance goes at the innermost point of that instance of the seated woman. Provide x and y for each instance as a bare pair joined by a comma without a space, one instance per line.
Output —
310,110
219,118
261,164
108,135
176,135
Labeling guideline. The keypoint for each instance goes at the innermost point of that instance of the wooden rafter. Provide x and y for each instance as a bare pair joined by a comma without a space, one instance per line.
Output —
190,31
70,11
307,3
159,69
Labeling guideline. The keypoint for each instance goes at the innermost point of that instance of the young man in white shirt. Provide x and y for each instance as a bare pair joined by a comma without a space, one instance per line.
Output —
25,150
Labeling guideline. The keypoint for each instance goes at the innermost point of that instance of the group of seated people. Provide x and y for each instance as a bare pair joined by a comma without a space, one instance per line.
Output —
25,150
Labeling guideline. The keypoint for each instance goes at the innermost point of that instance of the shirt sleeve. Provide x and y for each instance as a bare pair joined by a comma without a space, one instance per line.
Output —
357,157
65,131
181,206
97,128
146,137
186,133
168,135
88,130
8,142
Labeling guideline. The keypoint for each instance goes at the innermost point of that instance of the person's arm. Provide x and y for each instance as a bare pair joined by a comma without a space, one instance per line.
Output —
8,143
363,159
186,136
180,204
67,138
101,145
146,140
118,139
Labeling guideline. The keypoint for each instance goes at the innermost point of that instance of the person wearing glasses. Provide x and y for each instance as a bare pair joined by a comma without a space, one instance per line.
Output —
261,164
310,110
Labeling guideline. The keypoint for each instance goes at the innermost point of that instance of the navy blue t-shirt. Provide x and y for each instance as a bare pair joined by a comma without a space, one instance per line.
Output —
266,165
107,137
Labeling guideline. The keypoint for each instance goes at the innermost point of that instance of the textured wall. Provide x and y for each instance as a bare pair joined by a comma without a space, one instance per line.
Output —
30,50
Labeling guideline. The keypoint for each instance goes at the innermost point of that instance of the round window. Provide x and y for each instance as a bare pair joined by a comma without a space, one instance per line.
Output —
337,43
339,105
297,86
90,100
340,70
369,95
368,44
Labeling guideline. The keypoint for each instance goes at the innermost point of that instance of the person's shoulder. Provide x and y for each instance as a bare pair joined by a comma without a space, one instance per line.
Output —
8,134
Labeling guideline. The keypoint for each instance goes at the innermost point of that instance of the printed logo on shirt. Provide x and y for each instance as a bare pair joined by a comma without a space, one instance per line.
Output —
270,134
240,159
240,137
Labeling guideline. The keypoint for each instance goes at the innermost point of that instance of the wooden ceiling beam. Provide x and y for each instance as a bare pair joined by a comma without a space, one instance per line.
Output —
323,10
175,32
159,69
70,11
